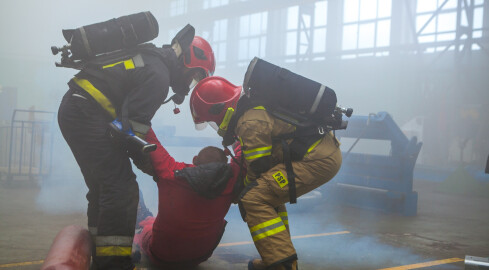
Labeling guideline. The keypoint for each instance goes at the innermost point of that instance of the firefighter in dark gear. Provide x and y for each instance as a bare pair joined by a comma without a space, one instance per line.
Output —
266,185
130,90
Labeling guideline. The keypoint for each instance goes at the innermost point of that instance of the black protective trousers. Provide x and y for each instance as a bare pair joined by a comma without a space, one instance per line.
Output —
112,188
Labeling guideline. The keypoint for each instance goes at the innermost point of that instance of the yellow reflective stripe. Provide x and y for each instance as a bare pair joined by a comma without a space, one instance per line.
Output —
257,149
246,181
313,146
113,251
128,64
258,152
260,108
97,95
258,155
269,233
267,228
223,127
265,224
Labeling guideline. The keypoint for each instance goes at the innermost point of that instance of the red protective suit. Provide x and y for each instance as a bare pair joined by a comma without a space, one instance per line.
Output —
188,227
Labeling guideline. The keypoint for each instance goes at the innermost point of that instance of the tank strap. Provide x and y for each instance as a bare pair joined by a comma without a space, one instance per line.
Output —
303,141
97,95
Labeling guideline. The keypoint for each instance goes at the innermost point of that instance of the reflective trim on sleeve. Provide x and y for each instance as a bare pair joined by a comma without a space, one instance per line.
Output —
113,251
257,152
312,147
97,95
128,64
267,228
113,240
259,108
246,181
284,216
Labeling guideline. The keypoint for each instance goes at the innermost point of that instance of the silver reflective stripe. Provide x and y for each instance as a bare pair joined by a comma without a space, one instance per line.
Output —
268,228
138,61
257,154
85,41
318,99
151,25
113,240
248,73
93,230
80,96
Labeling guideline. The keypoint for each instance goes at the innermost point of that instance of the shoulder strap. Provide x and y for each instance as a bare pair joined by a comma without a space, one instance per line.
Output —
244,104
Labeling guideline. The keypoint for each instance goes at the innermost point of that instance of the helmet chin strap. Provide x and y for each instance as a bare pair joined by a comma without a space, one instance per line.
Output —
177,99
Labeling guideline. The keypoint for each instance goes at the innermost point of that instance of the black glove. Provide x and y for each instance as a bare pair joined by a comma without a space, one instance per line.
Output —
142,161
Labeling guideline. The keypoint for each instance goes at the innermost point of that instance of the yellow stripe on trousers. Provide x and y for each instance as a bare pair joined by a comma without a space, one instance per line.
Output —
113,251
267,228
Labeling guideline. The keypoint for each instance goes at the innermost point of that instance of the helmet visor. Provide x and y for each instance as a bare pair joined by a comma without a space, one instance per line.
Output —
193,76
214,126
203,125
200,126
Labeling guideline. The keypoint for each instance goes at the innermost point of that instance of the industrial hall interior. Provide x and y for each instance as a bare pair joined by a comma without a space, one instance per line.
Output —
244,134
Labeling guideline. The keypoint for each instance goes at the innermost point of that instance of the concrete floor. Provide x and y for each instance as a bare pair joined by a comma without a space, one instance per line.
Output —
330,237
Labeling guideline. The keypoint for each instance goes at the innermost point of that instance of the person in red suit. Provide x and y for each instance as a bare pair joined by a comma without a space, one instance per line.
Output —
193,200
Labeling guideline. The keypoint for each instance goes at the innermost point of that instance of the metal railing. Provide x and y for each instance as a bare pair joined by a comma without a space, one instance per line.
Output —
26,145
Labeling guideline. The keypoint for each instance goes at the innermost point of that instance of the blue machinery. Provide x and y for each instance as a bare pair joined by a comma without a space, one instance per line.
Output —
383,182
372,181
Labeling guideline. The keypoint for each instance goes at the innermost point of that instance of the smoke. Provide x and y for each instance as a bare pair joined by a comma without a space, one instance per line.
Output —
360,248
64,190
450,97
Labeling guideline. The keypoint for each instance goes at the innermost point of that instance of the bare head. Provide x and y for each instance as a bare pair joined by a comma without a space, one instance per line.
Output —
210,154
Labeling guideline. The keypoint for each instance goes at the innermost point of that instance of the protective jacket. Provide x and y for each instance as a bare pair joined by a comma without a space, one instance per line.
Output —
136,86
189,225
267,187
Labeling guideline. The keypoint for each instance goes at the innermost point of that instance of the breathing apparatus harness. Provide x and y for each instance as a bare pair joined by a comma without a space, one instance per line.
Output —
305,135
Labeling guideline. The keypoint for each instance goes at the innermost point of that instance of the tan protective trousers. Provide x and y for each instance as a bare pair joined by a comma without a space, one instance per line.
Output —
264,202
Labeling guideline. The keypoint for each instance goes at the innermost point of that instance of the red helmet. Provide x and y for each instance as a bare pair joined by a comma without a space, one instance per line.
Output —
200,55
213,101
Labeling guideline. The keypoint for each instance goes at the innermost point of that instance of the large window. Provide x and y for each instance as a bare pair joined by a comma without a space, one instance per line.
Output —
214,3
434,27
178,7
366,27
306,30
436,22
219,37
252,36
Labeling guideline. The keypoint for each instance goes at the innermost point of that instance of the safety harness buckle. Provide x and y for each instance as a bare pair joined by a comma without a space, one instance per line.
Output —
321,130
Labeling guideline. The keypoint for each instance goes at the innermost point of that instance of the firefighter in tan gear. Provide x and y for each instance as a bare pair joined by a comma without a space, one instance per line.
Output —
267,185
